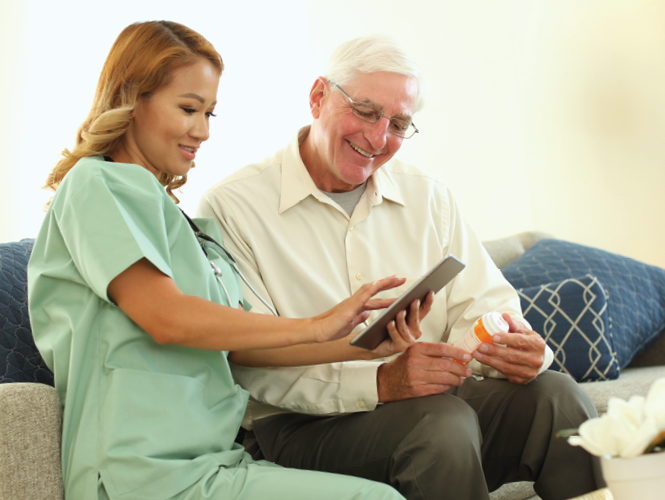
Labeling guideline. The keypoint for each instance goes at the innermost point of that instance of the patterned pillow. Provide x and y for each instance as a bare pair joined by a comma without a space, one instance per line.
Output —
635,291
572,317
20,360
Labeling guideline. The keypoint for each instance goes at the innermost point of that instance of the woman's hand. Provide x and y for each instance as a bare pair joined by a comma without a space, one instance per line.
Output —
403,332
339,321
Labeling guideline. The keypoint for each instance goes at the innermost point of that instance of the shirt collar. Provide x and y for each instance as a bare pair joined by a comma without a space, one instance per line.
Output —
297,184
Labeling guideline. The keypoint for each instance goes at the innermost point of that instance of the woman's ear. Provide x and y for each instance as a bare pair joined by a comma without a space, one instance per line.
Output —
317,96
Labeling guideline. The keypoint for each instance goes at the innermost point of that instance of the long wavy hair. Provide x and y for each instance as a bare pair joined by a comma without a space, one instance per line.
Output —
140,63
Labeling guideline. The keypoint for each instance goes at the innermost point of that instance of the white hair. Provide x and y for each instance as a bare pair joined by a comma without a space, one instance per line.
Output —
371,54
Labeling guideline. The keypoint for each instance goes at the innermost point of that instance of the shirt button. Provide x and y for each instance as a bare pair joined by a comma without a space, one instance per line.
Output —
359,276
362,404
351,228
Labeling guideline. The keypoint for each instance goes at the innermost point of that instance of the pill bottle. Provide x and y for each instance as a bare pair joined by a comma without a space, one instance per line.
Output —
483,331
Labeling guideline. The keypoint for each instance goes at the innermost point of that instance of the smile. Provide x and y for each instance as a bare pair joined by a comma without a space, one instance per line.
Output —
188,152
364,153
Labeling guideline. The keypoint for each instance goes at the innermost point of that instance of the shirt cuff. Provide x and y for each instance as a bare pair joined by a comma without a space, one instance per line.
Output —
548,359
358,385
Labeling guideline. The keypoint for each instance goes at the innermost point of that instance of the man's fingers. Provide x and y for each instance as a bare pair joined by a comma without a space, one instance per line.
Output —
414,319
439,350
515,372
399,331
515,326
426,305
519,358
435,365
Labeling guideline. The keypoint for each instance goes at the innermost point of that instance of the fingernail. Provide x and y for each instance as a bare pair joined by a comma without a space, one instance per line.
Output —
418,304
477,355
497,339
469,372
466,357
483,348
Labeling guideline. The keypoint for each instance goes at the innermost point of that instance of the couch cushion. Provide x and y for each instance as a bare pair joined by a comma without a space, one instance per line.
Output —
30,437
572,317
636,291
20,360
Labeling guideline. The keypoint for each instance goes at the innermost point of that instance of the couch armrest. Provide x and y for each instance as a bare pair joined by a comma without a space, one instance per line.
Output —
505,250
30,438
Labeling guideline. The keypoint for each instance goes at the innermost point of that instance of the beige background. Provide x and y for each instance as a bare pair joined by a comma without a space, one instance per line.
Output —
541,114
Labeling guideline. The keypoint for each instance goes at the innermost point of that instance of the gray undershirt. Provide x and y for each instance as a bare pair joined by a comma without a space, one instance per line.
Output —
348,199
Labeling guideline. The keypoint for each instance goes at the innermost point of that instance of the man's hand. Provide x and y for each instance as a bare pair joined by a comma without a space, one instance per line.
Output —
404,333
519,357
423,369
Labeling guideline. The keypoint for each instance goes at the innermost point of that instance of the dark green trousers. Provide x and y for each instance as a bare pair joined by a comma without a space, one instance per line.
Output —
458,445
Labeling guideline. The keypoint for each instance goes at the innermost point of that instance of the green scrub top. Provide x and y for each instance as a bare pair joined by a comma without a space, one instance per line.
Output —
141,420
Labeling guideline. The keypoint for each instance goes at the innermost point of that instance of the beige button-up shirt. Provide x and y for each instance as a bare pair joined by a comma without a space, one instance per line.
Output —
304,254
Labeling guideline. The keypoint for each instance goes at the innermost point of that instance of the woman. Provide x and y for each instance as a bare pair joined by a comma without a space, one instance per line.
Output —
131,303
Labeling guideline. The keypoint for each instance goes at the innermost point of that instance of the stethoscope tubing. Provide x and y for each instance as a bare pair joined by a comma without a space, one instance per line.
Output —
200,235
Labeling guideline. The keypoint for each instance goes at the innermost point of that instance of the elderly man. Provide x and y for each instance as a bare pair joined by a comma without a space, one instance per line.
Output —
334,210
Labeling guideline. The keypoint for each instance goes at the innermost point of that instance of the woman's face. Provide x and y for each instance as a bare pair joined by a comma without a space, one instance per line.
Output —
170,125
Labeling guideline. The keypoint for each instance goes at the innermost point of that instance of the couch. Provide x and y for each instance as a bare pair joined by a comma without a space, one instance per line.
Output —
31,414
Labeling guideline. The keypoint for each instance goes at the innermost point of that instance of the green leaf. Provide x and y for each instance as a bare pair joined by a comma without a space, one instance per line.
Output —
566,433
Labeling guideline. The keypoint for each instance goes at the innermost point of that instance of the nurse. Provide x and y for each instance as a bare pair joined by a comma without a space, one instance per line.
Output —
131,302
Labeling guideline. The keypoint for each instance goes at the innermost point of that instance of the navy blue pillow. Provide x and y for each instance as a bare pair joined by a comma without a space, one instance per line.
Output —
572,317
636,291
20,360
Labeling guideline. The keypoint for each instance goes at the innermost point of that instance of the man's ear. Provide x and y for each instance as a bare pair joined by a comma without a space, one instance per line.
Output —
317,96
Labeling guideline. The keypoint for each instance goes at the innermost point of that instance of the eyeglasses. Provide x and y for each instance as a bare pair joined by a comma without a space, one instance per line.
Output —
370,114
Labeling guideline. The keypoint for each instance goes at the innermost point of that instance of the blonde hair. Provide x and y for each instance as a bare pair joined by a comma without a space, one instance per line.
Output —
140,63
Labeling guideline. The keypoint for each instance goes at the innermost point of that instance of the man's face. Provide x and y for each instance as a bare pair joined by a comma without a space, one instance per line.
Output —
342,150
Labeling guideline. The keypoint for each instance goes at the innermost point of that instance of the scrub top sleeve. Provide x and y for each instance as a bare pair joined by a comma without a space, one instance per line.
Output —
111,218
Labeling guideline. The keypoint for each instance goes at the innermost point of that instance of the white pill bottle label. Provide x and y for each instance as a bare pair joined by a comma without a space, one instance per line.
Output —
483,331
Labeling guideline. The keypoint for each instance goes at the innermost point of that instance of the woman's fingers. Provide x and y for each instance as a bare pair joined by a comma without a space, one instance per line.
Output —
369,290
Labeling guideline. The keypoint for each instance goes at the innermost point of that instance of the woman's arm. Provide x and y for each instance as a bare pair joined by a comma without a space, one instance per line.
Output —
154,302
403,334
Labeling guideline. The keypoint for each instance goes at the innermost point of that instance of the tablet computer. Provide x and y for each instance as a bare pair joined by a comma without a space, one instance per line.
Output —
433,281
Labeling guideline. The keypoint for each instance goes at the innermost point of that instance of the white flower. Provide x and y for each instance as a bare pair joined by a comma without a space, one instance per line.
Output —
654,405
631,411
628,427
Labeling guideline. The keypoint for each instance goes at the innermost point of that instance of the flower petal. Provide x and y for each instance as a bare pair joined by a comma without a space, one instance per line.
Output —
641,440
609,434
590,447
631,412
654,405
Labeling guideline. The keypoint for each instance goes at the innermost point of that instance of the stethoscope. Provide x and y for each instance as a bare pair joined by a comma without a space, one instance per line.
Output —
201,237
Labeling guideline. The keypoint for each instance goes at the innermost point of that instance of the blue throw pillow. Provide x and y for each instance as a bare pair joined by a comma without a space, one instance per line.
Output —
572,317
20,360
635,291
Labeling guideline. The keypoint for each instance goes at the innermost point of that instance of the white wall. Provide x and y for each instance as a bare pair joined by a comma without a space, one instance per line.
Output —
262,98
14,54
542,114
592,84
